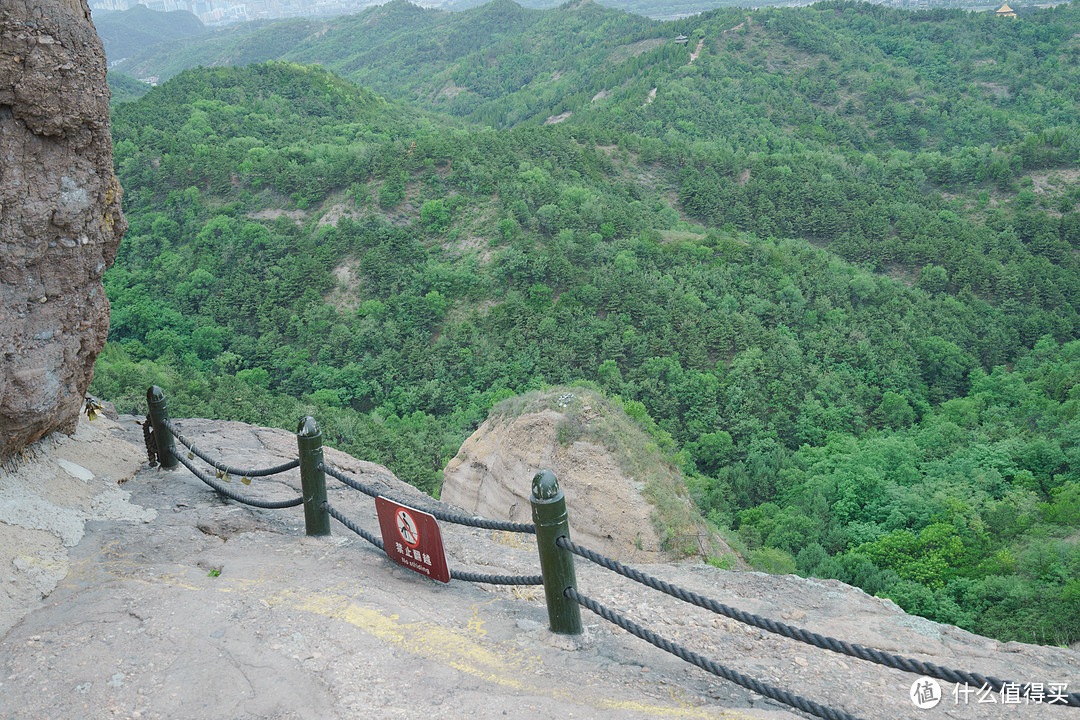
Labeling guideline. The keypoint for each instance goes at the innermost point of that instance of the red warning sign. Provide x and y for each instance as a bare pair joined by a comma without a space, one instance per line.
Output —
412,538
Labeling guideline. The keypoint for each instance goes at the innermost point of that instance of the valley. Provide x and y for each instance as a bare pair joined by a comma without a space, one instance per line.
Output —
830,267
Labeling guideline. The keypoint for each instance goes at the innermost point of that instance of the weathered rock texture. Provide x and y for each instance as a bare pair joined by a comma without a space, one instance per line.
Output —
492,476
573,435
60,218
46,502
195,607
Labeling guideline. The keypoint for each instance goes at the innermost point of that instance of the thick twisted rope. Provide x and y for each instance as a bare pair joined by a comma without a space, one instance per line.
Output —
149,442
441,514
497,579
226,468
376,541
455,574
266,504
897,662
807,706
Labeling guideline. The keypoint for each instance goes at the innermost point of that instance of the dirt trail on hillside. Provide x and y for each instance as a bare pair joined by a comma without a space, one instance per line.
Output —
211,610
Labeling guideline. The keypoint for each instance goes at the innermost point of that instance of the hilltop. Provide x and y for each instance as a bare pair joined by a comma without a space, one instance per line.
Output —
631,502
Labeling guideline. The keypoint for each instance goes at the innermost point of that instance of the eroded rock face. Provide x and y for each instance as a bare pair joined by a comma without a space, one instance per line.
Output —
60,218
492,476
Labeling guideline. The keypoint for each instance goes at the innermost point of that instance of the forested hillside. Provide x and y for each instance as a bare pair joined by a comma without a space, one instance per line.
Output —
829,123
128,32
123,88
831,263
658,9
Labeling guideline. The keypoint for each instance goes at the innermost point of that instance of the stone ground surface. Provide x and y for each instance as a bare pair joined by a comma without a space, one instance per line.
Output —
188,606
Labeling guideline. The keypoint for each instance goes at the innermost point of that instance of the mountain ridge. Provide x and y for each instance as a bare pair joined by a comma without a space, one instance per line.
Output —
127,32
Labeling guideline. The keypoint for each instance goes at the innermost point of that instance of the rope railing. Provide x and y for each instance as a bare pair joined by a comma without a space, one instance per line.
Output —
807,706
344,520
284,467
160,433
454,574
896,662
497,579
222,489
556,551
438,512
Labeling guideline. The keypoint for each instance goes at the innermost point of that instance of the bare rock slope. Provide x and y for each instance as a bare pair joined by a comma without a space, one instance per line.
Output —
60,218
46,501
196,607
605,465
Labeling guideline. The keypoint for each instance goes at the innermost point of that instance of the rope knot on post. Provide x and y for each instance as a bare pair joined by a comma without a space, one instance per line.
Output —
158,414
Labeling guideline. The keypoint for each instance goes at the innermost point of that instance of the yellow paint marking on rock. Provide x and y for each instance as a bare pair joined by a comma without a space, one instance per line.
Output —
419,638
476,623
497,665
448,647
40,562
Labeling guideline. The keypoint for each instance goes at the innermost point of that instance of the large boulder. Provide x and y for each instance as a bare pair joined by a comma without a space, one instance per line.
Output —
60,218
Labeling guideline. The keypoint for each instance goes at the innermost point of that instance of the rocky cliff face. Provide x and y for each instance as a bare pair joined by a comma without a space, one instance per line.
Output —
60,218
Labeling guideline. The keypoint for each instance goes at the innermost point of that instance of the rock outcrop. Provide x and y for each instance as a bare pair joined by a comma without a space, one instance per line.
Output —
586,442
60,218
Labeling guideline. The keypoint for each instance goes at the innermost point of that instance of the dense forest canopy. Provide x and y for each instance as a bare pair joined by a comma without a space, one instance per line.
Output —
829,260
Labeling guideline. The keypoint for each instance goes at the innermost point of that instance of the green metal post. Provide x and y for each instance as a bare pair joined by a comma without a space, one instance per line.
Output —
556,564
312,478
163,438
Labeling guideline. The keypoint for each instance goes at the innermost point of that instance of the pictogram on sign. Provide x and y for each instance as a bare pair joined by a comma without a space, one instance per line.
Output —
412,538
406,527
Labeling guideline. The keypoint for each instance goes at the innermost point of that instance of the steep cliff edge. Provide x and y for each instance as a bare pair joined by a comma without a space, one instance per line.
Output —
187,605
60,218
